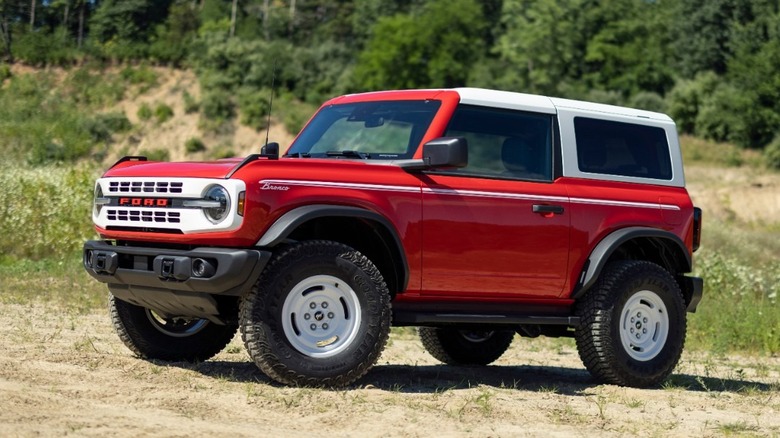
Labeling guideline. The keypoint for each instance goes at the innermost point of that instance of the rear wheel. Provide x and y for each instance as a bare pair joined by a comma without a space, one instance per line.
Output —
456,346
633,324
152,336
318,316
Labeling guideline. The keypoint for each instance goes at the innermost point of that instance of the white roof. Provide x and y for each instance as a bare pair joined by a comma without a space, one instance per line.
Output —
544,104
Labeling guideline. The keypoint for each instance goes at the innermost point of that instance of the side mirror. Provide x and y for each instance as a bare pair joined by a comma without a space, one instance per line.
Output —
439,152
270,150
446,152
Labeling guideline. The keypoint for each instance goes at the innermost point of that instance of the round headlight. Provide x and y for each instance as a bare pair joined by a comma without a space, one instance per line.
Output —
217,194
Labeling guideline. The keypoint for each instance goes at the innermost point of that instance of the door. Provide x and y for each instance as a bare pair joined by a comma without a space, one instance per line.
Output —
500,226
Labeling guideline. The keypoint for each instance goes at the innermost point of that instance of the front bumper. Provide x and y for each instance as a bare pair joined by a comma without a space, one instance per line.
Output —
174,282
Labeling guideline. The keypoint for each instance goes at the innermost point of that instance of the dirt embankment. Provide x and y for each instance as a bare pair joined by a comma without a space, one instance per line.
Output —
68,374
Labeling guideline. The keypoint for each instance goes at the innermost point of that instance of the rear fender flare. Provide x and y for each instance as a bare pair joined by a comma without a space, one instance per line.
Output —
606,247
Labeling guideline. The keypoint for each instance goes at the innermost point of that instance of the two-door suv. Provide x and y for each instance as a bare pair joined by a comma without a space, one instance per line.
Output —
473,214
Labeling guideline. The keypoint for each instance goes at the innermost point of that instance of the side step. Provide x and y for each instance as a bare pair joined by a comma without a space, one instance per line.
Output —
411,318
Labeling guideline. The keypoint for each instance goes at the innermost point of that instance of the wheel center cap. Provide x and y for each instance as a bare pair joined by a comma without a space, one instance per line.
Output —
638,324
318,316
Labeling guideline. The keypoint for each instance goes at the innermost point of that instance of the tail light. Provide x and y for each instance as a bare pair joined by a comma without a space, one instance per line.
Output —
696,227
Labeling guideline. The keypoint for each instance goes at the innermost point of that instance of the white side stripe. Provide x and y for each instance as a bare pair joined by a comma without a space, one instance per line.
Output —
624,203
467,193
498,195
339,185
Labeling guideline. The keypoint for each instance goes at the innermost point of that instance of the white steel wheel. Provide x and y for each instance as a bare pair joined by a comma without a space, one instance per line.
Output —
321,316
644,326
632,324
176,327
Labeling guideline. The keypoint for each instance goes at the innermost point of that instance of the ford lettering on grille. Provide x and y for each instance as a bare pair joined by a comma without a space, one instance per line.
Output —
144,202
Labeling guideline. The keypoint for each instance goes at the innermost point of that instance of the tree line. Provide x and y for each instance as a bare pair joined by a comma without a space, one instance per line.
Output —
714,65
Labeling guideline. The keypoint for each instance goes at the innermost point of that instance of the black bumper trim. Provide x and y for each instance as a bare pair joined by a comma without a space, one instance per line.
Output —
168,269
693,286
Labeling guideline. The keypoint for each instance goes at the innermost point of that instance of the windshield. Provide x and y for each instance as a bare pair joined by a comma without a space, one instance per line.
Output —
387,130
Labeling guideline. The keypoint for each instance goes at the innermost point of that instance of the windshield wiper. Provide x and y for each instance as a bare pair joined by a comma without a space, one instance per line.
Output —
349,154
298,155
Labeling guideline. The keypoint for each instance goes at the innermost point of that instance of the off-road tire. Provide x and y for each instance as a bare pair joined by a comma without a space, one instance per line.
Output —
617,345
455,346
290,333
143,332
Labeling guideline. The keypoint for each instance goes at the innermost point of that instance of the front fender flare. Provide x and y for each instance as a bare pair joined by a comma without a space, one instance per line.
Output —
290,221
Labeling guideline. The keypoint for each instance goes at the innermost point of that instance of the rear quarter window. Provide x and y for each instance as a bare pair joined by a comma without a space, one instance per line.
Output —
622,149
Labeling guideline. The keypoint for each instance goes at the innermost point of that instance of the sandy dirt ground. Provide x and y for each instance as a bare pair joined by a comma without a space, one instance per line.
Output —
66,374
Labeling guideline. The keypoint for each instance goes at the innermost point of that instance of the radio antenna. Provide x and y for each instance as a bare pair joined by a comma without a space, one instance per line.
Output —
271,103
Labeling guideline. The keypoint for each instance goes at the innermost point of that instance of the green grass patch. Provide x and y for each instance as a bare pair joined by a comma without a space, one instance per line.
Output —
701,151
740,309
58,280
46,211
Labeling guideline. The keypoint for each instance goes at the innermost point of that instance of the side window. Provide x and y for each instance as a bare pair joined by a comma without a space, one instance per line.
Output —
504,143
624,149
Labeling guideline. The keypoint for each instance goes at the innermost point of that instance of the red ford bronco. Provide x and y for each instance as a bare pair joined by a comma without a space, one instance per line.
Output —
473,214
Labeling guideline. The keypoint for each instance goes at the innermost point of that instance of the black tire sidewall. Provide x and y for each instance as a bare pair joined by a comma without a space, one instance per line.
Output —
275,287
449,345
659,366
145,339
600,309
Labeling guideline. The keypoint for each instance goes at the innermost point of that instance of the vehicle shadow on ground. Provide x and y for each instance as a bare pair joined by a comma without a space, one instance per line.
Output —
431,379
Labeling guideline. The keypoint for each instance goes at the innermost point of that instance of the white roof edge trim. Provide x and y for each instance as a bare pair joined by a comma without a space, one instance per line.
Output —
505,99
608,109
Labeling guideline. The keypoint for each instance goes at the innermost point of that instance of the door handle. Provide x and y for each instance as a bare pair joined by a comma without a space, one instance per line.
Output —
547,209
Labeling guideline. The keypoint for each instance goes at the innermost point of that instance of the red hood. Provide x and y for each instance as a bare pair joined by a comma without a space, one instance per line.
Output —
212,169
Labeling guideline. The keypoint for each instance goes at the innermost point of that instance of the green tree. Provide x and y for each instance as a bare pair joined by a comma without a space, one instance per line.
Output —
543,46
121,28
172,39
630,50
703,31
434,46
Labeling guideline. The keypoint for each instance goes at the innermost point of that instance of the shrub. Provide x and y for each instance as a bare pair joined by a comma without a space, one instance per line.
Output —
143,76
607,97
190,104
772,153
649,101
94,88
216,105
741,310
222,151
194,144
295,114
5,72
254,107
685,99
155,154
144,111
163,112
102,126
30,231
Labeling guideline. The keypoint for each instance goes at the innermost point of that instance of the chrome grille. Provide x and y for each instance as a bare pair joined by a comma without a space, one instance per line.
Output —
172,217
145,187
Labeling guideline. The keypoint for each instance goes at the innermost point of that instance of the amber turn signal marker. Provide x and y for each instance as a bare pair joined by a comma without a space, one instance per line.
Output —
241,203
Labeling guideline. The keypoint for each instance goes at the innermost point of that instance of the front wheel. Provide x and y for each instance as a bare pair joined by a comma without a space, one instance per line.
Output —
318,316
633,324
153,336
456,346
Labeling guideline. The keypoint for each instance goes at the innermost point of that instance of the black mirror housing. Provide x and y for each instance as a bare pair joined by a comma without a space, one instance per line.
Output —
439,152
446,152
